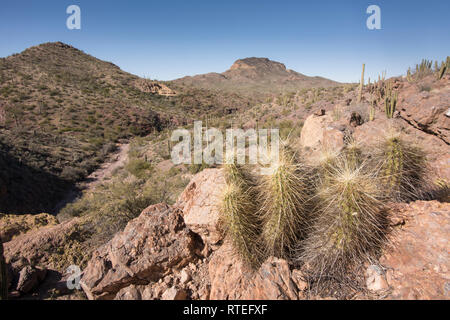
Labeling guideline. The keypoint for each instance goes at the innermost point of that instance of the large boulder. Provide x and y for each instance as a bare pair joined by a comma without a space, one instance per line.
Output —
199,203
418,265
426,109
151,246
29,278
319,131
230,279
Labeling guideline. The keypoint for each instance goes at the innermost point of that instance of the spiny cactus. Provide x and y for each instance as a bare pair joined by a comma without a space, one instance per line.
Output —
372,111
403,169
424,68
239,218
390,102
284,194
3,275
353,153
349,227
361,84
409,77
442,70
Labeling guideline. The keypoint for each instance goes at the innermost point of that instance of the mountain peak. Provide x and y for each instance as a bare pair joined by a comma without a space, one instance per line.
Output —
256,76
258,63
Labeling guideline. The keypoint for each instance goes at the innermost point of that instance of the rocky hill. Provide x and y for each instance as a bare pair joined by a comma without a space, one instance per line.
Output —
63,111
256,76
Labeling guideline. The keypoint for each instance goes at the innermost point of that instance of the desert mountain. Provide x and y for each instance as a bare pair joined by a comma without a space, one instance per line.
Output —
256,76
62,111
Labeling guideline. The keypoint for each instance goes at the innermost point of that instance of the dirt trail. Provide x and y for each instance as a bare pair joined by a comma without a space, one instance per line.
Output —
115,161
106,169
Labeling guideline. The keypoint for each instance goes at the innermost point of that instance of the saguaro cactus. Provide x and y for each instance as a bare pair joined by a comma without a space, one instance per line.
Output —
3,275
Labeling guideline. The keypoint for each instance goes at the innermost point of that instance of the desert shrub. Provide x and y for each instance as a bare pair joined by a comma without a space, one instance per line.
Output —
73,173
107,149
138,167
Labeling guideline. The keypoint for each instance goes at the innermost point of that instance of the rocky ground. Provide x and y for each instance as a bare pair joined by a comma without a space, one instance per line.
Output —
179,251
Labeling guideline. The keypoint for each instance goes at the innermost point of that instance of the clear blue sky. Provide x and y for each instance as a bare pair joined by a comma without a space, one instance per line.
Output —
167,39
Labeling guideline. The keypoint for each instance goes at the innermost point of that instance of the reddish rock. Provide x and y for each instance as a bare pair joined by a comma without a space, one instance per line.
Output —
418,264
29,278
131,292
200,205
231,280
427,110
376,279
35,247
321,133
174,294
149,247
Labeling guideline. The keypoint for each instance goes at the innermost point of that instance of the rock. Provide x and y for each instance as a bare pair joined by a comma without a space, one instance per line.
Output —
427,110
376,279
154,87
185,276
36,247
298,278
320,112
356,119
319,133
149,247
174,294
129,293
12,225
418,265
29,278
231,280
200,205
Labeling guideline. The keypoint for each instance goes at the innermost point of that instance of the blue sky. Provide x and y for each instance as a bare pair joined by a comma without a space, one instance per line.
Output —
169,39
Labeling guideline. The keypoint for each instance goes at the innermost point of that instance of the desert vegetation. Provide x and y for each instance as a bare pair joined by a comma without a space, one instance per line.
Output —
329,218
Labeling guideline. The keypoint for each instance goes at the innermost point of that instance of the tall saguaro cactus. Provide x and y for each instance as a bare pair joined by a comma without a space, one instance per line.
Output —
361,84
3,275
